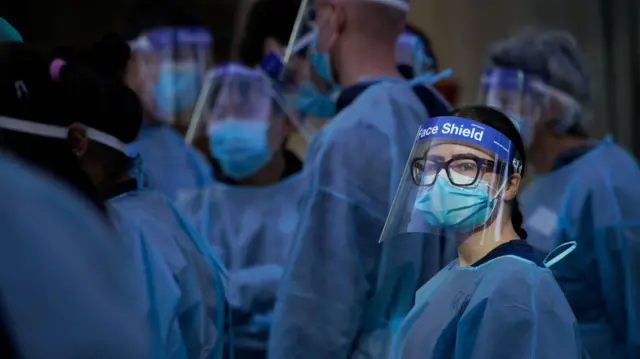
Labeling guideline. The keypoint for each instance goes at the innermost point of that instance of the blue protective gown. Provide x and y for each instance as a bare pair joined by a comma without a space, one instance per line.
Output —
68,282
594,201
192,300
251,229
169,163
507,308
342,291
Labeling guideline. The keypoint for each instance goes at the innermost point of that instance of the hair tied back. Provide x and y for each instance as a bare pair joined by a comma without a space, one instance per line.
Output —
55,67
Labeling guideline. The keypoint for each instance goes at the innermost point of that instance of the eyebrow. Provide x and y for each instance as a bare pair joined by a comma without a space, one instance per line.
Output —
460,156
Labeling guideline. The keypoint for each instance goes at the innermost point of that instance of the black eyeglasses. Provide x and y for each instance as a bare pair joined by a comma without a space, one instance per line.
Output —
462,170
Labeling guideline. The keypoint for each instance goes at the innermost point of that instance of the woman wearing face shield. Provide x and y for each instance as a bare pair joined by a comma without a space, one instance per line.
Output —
496,300
250,212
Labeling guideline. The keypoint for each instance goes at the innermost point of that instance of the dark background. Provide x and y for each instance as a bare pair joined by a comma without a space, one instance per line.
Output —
79,22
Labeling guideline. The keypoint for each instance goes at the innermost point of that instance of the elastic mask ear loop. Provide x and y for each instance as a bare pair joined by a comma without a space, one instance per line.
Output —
565,249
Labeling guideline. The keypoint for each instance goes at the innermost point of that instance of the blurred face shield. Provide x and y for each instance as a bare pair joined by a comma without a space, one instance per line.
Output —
411,52
243,115
312,95
170,68
454,183
528,101
510,91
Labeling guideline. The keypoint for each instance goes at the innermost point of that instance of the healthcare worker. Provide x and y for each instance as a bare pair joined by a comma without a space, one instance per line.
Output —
166,71
200,300
496,300
342,293
267,29
70,288
250,213
95,117
584,189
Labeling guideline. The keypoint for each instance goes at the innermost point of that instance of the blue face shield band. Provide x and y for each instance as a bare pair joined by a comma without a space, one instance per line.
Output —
453,194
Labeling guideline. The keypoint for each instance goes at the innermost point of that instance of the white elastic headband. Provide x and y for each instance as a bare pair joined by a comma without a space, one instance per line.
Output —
41,129
141,43
398,4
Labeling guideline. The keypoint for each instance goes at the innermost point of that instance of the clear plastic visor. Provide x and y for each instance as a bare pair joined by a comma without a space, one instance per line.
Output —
234,94
171,64
510,91
454,183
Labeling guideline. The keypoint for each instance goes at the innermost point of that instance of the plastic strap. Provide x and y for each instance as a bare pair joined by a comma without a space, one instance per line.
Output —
550,260
41,129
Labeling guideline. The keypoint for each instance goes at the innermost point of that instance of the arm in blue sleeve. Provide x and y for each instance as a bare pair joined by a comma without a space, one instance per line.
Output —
612,218
323,294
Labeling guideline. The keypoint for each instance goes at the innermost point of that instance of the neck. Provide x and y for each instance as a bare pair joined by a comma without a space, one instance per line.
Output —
269,174
545,153
358,57
480,243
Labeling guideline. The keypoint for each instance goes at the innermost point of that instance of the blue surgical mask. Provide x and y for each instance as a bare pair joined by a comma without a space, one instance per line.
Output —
456,208
240,146
310,101
321,63
177,88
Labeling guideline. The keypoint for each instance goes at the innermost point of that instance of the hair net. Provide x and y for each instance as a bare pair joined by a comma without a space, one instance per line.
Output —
556,60
553,56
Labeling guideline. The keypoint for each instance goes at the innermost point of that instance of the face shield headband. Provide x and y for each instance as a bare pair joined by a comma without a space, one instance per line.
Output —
473,132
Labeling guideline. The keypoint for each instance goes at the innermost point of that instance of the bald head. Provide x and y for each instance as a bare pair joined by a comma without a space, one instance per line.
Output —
374,20
360,36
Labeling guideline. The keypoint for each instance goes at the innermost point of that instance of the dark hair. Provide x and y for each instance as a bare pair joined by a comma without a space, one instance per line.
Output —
42,100
122,110
266,18
144,15
499,121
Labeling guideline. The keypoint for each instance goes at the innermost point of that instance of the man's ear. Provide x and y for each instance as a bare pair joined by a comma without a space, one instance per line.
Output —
78,140
272,45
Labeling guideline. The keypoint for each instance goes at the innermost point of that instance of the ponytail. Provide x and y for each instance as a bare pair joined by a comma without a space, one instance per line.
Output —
516,219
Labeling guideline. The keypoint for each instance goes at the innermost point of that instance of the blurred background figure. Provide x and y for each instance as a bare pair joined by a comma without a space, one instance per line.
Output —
584,189
170,57
354,163
197,317
415,56
267,29
86,281
250,213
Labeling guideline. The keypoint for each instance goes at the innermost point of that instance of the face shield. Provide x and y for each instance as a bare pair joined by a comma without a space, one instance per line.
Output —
243,115
510,91
454,183
311,93
171,63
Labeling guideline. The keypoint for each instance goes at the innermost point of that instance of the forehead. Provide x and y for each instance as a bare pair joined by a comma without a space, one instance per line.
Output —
448,150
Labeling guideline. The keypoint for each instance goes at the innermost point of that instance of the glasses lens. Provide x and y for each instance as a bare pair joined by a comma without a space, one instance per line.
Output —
424,172
463,172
